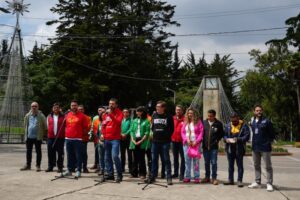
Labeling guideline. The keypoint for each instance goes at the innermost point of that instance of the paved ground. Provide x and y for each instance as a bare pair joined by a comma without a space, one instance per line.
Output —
15,184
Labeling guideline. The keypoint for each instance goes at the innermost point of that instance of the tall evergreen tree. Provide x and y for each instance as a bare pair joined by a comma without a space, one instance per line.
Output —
222,67
114,37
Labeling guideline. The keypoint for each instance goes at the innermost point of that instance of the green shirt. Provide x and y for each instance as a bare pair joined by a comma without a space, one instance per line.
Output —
144,130
126,126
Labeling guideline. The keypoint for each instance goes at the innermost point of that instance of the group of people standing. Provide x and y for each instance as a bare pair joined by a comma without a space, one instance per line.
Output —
115,132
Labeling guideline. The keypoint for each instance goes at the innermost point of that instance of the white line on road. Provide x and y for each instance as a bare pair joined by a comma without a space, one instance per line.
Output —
280,167
295,159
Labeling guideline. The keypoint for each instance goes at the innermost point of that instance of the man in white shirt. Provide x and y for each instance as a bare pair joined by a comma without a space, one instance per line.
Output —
56,138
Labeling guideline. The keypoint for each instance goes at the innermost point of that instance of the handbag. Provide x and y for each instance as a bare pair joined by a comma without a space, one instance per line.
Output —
193,152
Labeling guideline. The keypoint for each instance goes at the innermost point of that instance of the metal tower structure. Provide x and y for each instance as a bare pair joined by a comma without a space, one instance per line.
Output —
13,85
211,95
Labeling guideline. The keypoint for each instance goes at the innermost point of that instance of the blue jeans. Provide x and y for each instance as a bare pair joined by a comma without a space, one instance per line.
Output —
74,148
101,153
112,149
211,158
155,150
178,150
188,165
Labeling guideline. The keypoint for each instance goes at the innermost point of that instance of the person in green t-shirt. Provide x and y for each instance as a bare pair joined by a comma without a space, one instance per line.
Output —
139,132
125,140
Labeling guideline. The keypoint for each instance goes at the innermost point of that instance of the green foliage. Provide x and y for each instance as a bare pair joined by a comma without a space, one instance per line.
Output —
115,37
283,143
275,84
271,87
185,95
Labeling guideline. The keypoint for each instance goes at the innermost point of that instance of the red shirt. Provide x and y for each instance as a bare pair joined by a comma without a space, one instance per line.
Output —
76,125
178,123
85,136
111,125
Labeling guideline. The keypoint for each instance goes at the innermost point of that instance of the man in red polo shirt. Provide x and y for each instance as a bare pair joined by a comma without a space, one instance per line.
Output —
76,126
111,131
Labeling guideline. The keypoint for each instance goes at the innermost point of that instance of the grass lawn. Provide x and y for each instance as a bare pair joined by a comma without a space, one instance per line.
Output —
282,143
13,130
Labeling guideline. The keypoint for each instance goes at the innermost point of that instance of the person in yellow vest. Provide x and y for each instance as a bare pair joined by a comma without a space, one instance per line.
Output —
237,133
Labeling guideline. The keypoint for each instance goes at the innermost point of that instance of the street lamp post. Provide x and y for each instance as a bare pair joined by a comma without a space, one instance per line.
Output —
174,94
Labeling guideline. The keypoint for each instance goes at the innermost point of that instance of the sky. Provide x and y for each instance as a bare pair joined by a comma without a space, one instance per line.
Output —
195,17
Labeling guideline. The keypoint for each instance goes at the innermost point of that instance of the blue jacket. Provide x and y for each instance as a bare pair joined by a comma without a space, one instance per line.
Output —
242,137
263,135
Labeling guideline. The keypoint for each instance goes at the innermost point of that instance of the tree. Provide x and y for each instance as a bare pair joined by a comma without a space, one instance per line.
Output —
97,40
292,38
269,85
222,67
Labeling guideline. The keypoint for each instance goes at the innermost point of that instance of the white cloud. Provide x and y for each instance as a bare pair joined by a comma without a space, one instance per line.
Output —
41,30
231,44
210,47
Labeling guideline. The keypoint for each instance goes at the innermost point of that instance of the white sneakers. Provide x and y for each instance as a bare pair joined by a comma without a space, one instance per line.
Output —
67,173
254,185
257,185
270,187
78,174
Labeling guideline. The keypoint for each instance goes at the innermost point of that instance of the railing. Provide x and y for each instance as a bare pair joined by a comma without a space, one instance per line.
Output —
11,138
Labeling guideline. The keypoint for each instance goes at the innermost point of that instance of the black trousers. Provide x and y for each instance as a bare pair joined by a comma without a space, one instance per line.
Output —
149,159
178,150
124,146
238,158
53,150
96,155
84,155
139,163
38,150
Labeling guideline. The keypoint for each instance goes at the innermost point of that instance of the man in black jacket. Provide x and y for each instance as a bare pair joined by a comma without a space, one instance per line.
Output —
162,127
213,133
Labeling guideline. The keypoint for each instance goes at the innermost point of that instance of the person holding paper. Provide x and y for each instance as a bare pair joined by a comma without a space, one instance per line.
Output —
237,133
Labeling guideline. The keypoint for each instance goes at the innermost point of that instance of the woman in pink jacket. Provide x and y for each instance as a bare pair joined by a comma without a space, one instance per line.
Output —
192,134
